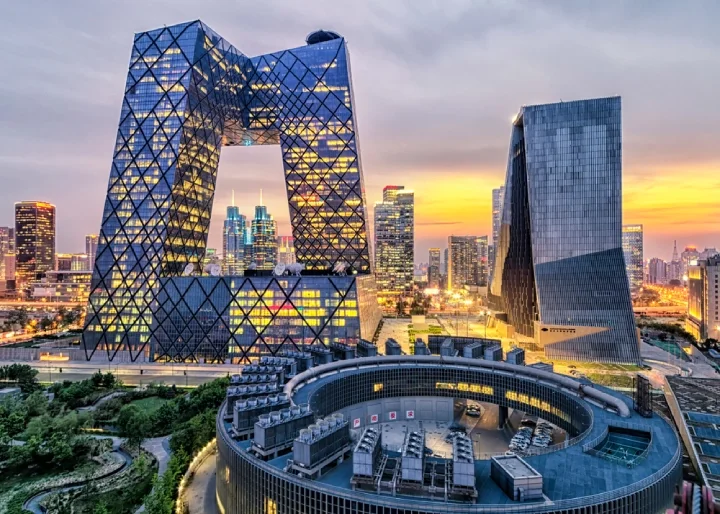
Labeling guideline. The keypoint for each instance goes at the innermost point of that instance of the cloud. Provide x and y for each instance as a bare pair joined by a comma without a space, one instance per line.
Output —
435,85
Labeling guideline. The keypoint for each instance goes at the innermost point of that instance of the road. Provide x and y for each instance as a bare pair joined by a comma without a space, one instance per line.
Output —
200,492
131,374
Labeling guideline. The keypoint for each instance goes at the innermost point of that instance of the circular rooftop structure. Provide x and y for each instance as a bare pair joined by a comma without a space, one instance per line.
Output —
302,458
320,36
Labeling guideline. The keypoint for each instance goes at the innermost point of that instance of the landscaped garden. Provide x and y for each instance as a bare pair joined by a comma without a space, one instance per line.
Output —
51,456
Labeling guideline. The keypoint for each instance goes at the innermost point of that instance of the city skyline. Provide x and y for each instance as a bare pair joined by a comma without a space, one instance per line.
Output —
452,178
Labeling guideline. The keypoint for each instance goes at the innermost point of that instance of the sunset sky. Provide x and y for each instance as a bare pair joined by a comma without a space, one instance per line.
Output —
436,86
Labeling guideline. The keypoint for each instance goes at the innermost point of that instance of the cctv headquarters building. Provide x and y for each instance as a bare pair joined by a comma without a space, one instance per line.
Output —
189,93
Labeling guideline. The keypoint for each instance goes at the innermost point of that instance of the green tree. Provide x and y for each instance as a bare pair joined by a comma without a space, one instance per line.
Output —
37,404
101,508
22,374
134,424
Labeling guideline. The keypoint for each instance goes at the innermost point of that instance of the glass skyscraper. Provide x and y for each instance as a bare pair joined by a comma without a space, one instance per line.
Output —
91,242
34,241
632,245
498,196
264,239
395,241
462,261
235,234
188,93
559,272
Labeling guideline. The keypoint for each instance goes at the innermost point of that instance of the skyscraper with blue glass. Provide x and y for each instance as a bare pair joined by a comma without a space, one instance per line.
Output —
235,233
559,271
189,93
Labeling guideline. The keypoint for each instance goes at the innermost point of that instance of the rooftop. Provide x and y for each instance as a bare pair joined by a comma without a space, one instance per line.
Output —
516,467
568,474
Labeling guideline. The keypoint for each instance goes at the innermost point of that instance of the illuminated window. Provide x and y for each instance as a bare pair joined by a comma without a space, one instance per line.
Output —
377,388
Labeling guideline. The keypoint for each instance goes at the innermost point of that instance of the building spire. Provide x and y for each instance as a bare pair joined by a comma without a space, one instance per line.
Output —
260,197
232,202
675,254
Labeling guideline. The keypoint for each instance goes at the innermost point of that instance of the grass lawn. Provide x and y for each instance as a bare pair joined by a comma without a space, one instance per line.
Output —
150,404
611,380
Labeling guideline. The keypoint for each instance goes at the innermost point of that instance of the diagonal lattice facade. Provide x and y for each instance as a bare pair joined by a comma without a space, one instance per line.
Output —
187,94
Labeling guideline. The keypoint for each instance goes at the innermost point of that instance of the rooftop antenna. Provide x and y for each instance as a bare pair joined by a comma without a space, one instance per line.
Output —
261,197
232,202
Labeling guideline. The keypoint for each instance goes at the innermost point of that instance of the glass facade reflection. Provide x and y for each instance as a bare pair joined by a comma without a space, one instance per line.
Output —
632,244
214,319
395,241
34,241
188,93
559,272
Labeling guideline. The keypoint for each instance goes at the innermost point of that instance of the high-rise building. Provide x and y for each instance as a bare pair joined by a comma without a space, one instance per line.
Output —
6,233
560,273
235,233
63,262
286,250
632,245
395,241
264,239
462,261
434,267
34,240
498,196
658,271
675,265
80,262
91,243
703,315
689,257
189,93
482,271
707,253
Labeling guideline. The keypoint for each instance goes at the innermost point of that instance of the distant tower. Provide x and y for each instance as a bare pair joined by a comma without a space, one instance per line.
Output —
35,240
234,235
395,240
675,256
91,244
264,238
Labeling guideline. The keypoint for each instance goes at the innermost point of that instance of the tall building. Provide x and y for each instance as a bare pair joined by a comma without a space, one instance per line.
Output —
703,315
395,241
560,273
80,262
498,196
34,240
63,262
286,250
689,257
91,243
264,239
190,92
658,271
434,267
632,245
462,261
235,233
707,253
6,234
482,271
